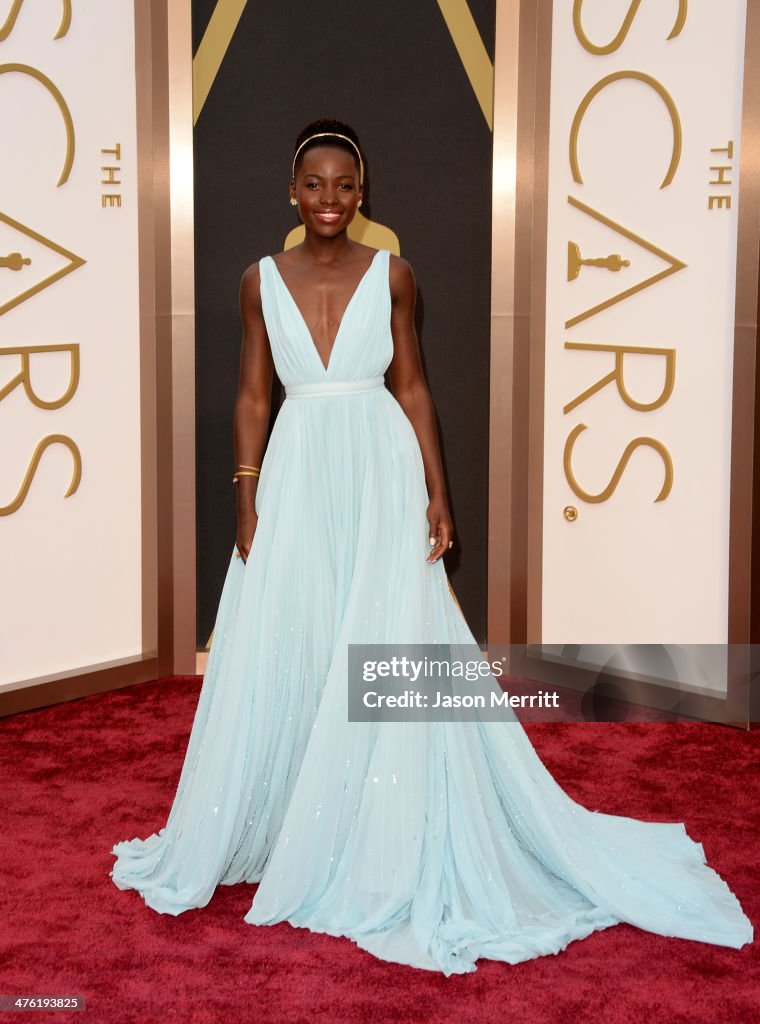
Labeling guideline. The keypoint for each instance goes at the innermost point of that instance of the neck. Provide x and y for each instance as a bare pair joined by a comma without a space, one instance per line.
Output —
327,250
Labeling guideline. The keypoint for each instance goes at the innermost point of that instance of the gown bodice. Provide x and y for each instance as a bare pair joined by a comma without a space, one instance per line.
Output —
363,346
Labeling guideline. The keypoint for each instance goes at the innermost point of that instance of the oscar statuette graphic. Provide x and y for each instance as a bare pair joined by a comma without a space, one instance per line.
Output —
575,261
14,261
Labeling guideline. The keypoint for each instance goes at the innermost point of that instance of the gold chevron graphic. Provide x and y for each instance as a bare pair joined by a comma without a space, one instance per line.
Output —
473,54
456,13
74,263
210,54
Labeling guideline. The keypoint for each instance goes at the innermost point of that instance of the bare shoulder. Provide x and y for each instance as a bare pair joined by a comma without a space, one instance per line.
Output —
251,274
250,285
400,269
401,278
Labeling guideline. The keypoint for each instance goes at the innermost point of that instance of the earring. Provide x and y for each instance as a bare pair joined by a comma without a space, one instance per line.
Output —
294,202
359,203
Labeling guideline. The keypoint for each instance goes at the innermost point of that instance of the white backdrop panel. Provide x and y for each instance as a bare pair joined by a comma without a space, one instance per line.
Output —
631,569
71,566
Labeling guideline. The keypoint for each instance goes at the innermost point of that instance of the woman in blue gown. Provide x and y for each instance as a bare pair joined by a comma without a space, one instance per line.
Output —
428,843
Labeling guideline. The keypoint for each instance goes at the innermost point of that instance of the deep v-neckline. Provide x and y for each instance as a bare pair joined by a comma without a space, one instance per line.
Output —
301,317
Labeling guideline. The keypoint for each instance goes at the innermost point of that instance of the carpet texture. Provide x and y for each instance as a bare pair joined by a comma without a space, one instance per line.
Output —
78,777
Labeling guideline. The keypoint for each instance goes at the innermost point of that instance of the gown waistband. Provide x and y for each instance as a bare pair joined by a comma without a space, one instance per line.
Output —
334,387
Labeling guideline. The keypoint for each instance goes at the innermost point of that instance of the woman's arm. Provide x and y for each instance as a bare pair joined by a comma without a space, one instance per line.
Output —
411,392
253,404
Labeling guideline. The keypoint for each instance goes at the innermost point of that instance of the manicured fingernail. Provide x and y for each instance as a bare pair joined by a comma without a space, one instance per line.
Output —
432,541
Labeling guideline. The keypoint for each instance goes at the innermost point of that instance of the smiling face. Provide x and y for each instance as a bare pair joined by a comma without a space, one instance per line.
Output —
327,189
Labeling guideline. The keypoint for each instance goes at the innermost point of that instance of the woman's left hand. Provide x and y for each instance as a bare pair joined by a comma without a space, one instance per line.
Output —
441,528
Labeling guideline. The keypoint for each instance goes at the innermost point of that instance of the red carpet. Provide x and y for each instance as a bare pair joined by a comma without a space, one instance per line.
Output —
80,776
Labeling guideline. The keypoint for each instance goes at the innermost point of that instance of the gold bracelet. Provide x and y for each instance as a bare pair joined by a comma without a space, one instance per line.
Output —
257,468
242,472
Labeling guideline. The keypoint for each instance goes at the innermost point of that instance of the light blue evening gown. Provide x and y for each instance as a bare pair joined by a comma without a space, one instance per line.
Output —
427,843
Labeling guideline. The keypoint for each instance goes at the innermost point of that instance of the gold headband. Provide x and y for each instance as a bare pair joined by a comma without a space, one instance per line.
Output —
334,135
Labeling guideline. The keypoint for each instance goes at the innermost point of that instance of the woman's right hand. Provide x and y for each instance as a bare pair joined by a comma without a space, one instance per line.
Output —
247,522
